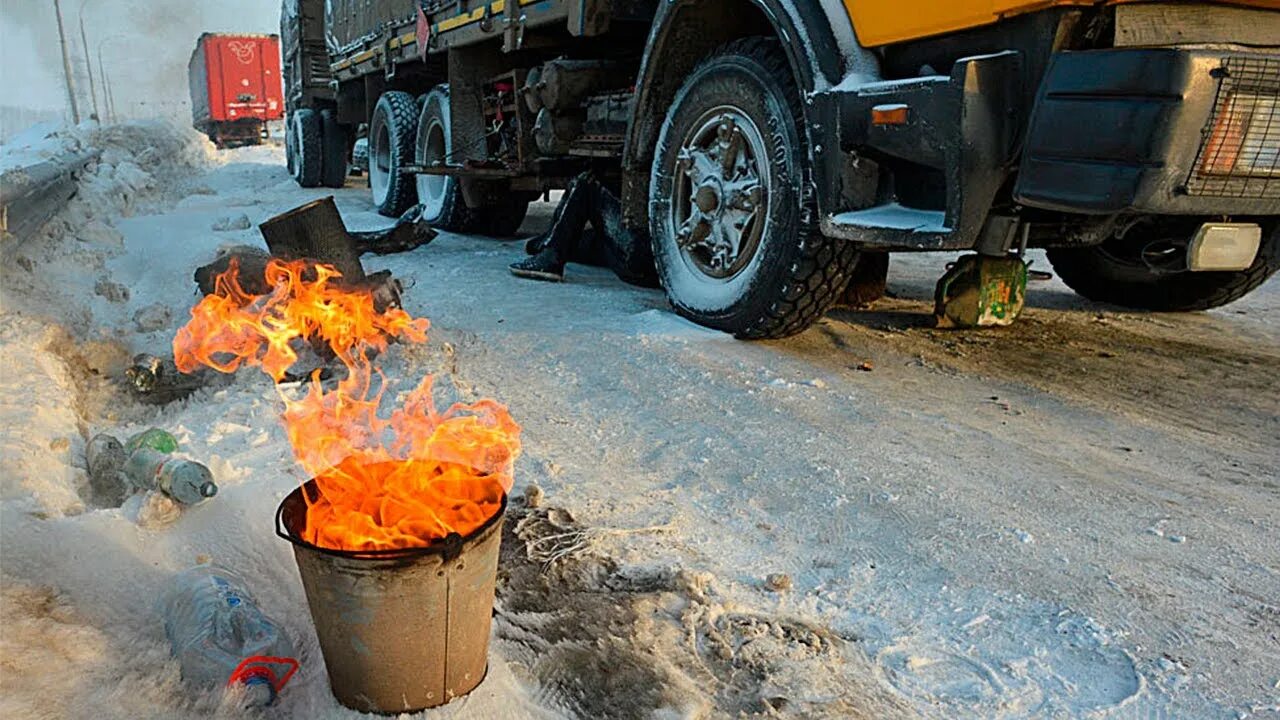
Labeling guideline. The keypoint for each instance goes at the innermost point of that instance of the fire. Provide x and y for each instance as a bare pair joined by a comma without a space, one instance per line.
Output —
403,480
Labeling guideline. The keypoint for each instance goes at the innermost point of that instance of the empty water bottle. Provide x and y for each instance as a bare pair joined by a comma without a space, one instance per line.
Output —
186,481
221,638
106,458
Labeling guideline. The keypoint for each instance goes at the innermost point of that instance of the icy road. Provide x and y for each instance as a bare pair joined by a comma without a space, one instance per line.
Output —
1074,517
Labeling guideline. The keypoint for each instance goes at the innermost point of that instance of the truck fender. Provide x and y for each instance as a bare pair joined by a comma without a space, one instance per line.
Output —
820,44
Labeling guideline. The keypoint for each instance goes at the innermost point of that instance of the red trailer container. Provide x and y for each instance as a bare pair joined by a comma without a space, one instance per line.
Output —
235,87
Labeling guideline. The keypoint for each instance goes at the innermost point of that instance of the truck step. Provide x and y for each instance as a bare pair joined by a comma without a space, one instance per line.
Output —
892,216
891,225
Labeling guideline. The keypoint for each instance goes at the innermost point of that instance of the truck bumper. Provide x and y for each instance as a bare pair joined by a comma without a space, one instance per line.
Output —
1155,130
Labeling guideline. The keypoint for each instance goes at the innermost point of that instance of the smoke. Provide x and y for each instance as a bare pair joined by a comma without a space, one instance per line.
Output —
144,47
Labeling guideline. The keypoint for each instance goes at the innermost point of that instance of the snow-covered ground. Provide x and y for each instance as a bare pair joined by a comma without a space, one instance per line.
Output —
1073,517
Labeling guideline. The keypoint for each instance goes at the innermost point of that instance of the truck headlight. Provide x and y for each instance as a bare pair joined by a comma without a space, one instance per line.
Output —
1245,140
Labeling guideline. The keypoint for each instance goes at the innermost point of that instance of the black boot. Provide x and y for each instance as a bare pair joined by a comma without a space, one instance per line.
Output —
545,265
537,243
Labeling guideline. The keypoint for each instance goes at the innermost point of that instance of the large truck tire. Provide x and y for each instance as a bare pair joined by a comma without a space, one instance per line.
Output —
290,152
391,147
734,235
334,142
1146,269
441,195
304,125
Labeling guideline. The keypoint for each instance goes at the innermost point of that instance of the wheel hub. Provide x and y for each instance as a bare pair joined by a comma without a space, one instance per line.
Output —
719,197
707,197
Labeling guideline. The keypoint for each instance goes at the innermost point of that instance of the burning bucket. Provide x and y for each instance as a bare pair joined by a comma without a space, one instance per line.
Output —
401,629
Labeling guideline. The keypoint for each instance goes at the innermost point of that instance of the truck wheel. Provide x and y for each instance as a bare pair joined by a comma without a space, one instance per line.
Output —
334,137
1146,269
395,121
734,234
290,150
440,195
308,161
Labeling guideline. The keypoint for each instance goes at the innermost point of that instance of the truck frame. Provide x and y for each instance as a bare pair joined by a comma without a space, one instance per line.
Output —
776,150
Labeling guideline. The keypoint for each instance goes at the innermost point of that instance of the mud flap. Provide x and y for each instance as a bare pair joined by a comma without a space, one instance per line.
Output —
981,291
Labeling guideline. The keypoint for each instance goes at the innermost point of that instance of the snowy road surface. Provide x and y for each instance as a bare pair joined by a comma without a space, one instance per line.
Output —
1073,517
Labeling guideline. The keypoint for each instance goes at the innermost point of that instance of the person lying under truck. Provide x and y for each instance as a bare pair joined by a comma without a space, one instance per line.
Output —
629,253
608,243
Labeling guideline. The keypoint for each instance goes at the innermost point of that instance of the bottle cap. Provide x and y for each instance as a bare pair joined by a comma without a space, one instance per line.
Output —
258,690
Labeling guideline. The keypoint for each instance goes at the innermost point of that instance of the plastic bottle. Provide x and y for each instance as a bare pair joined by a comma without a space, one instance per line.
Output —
221,638
154,438
186,481
106,458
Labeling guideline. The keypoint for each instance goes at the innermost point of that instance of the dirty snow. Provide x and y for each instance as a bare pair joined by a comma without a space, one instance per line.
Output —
36,144
1073,517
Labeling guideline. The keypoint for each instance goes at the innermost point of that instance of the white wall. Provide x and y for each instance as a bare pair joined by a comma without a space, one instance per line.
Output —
145,46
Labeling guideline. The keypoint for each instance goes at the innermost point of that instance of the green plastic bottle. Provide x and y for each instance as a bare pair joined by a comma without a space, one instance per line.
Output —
154,438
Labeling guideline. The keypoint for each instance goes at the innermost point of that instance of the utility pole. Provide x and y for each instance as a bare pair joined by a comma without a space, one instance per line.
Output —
107,100
88,62
66,65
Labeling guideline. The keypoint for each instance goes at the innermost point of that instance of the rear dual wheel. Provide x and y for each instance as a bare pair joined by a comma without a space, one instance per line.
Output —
316,148
391,148
304,146
335,146
441,195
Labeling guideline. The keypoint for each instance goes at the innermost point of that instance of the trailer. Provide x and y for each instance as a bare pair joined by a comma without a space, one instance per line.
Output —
235,87
775,151
317,147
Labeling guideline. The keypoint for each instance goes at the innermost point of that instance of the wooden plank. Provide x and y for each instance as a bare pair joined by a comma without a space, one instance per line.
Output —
1169,24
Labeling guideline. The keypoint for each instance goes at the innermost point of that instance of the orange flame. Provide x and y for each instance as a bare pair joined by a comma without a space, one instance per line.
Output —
395,482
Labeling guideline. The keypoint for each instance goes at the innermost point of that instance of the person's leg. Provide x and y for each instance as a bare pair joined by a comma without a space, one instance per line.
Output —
627,252
587,200
558,245
537,243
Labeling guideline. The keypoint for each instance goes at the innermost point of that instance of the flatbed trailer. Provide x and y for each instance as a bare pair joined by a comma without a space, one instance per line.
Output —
448,24
774,151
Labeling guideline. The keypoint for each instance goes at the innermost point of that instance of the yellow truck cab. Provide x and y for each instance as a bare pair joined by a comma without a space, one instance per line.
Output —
776,150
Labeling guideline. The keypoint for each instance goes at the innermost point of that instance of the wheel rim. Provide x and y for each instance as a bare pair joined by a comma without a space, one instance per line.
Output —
432,150
720,194
380,162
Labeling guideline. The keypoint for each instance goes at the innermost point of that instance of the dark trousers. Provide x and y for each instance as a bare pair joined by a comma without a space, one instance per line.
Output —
609,243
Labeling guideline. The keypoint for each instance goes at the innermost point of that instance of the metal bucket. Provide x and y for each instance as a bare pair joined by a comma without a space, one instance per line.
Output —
400,630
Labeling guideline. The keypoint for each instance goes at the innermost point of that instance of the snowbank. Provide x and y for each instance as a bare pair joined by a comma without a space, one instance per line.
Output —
34,145
140,167
61,310
39,430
